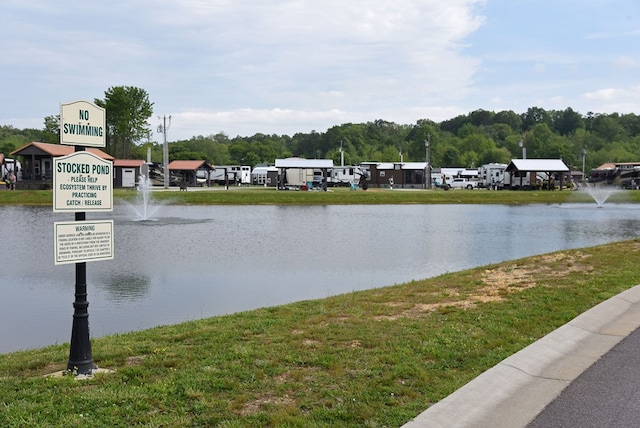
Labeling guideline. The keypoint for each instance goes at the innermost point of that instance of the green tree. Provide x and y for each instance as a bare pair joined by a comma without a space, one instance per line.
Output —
127,108
567,122
607,127
51,131
508,117
535,116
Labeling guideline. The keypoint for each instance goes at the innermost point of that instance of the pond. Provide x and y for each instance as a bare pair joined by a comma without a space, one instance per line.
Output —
192,262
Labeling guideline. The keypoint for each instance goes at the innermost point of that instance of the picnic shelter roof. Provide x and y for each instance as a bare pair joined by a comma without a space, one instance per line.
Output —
190,165
128,163
54,150
304,163
537,165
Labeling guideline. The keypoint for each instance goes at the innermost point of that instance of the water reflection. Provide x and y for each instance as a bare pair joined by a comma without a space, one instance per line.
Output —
195,262
122,287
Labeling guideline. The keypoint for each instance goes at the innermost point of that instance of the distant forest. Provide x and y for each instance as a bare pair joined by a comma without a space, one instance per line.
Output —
469,140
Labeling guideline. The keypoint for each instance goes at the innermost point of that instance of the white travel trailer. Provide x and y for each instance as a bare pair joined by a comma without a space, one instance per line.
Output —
492,176
228,174
344,176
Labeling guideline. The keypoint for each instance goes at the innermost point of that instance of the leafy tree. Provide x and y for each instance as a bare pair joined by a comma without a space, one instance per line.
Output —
12,138
631,124
535,116
508,117
567,122
127,108
607,127
51,131
454,124
481,117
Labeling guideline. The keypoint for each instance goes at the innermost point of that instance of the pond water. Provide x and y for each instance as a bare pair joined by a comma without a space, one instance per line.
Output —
198,261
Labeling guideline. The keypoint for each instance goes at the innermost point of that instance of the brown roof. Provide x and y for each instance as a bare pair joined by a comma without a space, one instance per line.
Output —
55,150
128,163
607,166
189,165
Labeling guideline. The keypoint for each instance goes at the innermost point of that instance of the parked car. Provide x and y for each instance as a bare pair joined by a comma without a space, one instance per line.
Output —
463,183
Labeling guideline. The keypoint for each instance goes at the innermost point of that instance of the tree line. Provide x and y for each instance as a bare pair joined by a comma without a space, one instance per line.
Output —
468,140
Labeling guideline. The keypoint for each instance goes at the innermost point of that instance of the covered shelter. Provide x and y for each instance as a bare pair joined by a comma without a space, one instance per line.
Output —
185,172
520,169
37,162
303,173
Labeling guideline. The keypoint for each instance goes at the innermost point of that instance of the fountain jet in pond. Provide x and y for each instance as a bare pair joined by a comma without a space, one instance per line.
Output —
600,194
144,207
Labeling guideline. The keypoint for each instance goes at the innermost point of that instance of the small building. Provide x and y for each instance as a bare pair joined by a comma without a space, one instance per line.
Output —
625,174
402,175
185,172
127,171
37,162
264,176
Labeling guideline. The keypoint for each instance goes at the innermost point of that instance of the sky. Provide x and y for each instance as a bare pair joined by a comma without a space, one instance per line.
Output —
243,67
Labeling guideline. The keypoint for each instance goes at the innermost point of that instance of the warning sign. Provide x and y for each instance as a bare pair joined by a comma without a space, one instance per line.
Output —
83,241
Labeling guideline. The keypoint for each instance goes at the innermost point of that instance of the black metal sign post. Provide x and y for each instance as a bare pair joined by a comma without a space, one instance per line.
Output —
80,355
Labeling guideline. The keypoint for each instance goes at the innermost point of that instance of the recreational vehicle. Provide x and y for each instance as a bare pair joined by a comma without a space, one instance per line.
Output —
492,176
344,176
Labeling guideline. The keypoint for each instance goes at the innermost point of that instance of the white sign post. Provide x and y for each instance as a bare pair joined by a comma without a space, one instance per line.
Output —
82,182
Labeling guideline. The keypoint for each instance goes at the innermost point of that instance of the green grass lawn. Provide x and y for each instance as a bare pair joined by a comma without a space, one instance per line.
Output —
373,358
248,195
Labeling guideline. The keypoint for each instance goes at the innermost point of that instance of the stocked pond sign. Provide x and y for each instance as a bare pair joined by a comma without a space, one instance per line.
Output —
82,181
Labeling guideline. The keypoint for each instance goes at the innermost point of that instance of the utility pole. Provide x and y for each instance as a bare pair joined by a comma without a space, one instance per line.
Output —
427,169
165,148
523,147
584,161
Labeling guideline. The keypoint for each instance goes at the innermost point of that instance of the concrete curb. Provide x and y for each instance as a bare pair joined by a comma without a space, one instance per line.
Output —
515,391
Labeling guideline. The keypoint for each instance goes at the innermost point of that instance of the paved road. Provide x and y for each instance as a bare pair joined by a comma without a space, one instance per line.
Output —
594,359
606,395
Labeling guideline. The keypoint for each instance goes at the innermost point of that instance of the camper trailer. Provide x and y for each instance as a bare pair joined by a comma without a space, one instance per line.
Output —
344,176
492,176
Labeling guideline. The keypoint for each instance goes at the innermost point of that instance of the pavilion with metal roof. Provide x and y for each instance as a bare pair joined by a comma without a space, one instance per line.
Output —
550,167
187,170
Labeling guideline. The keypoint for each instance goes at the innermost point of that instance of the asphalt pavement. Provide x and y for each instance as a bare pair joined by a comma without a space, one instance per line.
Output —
584,374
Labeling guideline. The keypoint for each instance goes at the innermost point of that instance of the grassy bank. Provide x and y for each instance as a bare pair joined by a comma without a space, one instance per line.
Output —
262,196
365,359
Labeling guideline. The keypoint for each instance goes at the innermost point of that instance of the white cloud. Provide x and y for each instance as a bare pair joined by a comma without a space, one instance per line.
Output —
287,66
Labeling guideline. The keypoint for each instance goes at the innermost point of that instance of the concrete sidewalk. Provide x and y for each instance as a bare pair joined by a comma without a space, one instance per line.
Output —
514,392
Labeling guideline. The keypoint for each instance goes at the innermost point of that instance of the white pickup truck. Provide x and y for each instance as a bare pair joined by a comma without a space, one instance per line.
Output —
463,183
